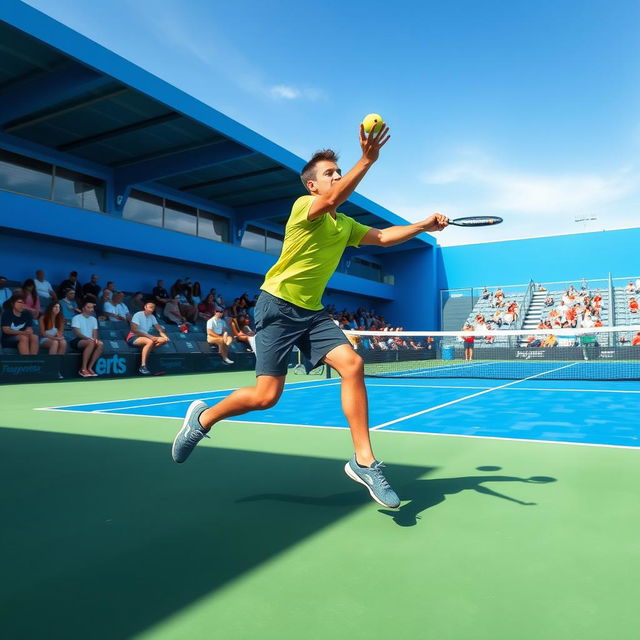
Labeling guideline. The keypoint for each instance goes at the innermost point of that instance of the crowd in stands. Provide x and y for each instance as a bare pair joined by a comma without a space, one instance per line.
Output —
35,316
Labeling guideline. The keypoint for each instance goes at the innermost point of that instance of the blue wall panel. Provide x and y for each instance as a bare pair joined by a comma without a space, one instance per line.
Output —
566,257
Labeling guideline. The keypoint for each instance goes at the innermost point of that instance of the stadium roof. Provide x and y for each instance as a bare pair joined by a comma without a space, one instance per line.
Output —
63,91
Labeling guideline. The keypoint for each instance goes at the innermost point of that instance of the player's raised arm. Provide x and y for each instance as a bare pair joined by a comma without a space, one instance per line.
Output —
330,187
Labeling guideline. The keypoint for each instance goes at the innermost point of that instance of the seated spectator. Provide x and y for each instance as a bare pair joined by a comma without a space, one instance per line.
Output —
5,292
542,288
242,332
597,323
109,291
160,294
597,299
630,288
116,310
499,294
85,330
486,294
587,322
44,289
187,290
173,314
507,319
71,283
141,325
218,335
541,324
92,287
17,327
182,292
548,302
31,298
534,342
633,305
196,294
207,308
52,329
636,340
497,318
136,303
550,341
69,305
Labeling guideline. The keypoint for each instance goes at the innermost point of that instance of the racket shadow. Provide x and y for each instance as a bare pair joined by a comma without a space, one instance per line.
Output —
424,494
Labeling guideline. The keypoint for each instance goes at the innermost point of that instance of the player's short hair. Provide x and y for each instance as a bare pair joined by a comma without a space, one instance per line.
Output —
309,170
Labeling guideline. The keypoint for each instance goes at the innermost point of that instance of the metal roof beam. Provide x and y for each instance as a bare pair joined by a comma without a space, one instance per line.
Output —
119,131
173,164
43,90
228,179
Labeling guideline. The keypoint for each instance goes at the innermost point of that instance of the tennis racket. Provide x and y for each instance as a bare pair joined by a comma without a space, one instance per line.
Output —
476,221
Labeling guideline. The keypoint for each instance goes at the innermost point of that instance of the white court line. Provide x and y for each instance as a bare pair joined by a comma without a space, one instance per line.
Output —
473,395
450,367
184,398
434,386
563,442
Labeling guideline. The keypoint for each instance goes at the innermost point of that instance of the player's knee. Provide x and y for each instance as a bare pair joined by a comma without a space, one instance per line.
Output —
353,366
267,400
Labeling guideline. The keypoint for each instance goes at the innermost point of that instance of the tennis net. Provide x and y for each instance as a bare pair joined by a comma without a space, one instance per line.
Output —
603,353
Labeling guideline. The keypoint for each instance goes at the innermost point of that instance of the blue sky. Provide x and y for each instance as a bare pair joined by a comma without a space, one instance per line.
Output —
530,111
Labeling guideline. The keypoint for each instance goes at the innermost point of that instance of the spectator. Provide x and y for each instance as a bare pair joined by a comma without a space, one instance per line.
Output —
548,302
636,340
52,329
486,294
137,303
71,283
242,332
217,335
44,289
585,285
173,314
109,291
630,288
187,290
160,294
533,342
5,292
85,329
633,305
17,327
139,336
69,305
207,308
196,294
183,294
176,289
637,287
116,310
92,287
468,343
31,299
550,341
587,321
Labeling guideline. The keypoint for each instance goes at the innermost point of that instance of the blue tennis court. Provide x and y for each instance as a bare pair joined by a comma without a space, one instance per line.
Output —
531,409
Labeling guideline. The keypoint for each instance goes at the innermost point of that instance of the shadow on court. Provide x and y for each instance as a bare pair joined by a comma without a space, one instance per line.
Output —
424,494
421,493
104,538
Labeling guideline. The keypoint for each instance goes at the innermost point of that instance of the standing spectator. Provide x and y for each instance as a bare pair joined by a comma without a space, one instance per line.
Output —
69,305
633,305
5,292
85,329
52,329
196,294
139,336
71,283
217,335
17,327
160,294
44,289
31,299
116,310
207,308
468,343
92,287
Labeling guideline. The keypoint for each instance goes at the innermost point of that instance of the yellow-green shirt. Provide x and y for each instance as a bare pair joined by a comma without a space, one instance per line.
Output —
310,254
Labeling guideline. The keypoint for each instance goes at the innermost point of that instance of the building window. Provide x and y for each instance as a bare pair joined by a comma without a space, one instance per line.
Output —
25,175
365,269
78,190
262,240
213,227
144,207
180,217
274,243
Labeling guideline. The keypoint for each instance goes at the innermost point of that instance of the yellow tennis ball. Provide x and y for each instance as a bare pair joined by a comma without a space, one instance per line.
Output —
373,122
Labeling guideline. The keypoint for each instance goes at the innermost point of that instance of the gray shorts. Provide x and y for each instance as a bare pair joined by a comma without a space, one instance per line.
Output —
281,325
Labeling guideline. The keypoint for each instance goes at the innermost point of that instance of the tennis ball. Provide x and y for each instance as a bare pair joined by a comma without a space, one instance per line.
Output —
373,122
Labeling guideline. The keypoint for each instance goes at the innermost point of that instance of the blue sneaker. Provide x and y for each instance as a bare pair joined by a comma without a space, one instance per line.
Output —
190,433
373,478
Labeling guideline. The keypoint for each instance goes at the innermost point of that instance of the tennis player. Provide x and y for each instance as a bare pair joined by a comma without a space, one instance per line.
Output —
289,310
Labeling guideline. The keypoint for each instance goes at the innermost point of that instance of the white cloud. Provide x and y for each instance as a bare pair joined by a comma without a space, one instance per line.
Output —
284,92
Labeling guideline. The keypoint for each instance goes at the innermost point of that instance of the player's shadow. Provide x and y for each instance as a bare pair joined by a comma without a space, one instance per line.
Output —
422,494
427,493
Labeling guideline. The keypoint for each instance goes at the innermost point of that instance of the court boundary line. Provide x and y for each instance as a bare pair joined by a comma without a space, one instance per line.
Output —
468,397
433,386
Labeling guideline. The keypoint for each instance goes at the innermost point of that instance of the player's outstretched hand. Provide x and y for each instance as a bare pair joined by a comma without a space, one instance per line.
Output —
436,222
372,143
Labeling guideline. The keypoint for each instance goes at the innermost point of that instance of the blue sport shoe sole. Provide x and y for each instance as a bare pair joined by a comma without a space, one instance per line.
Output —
190,433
